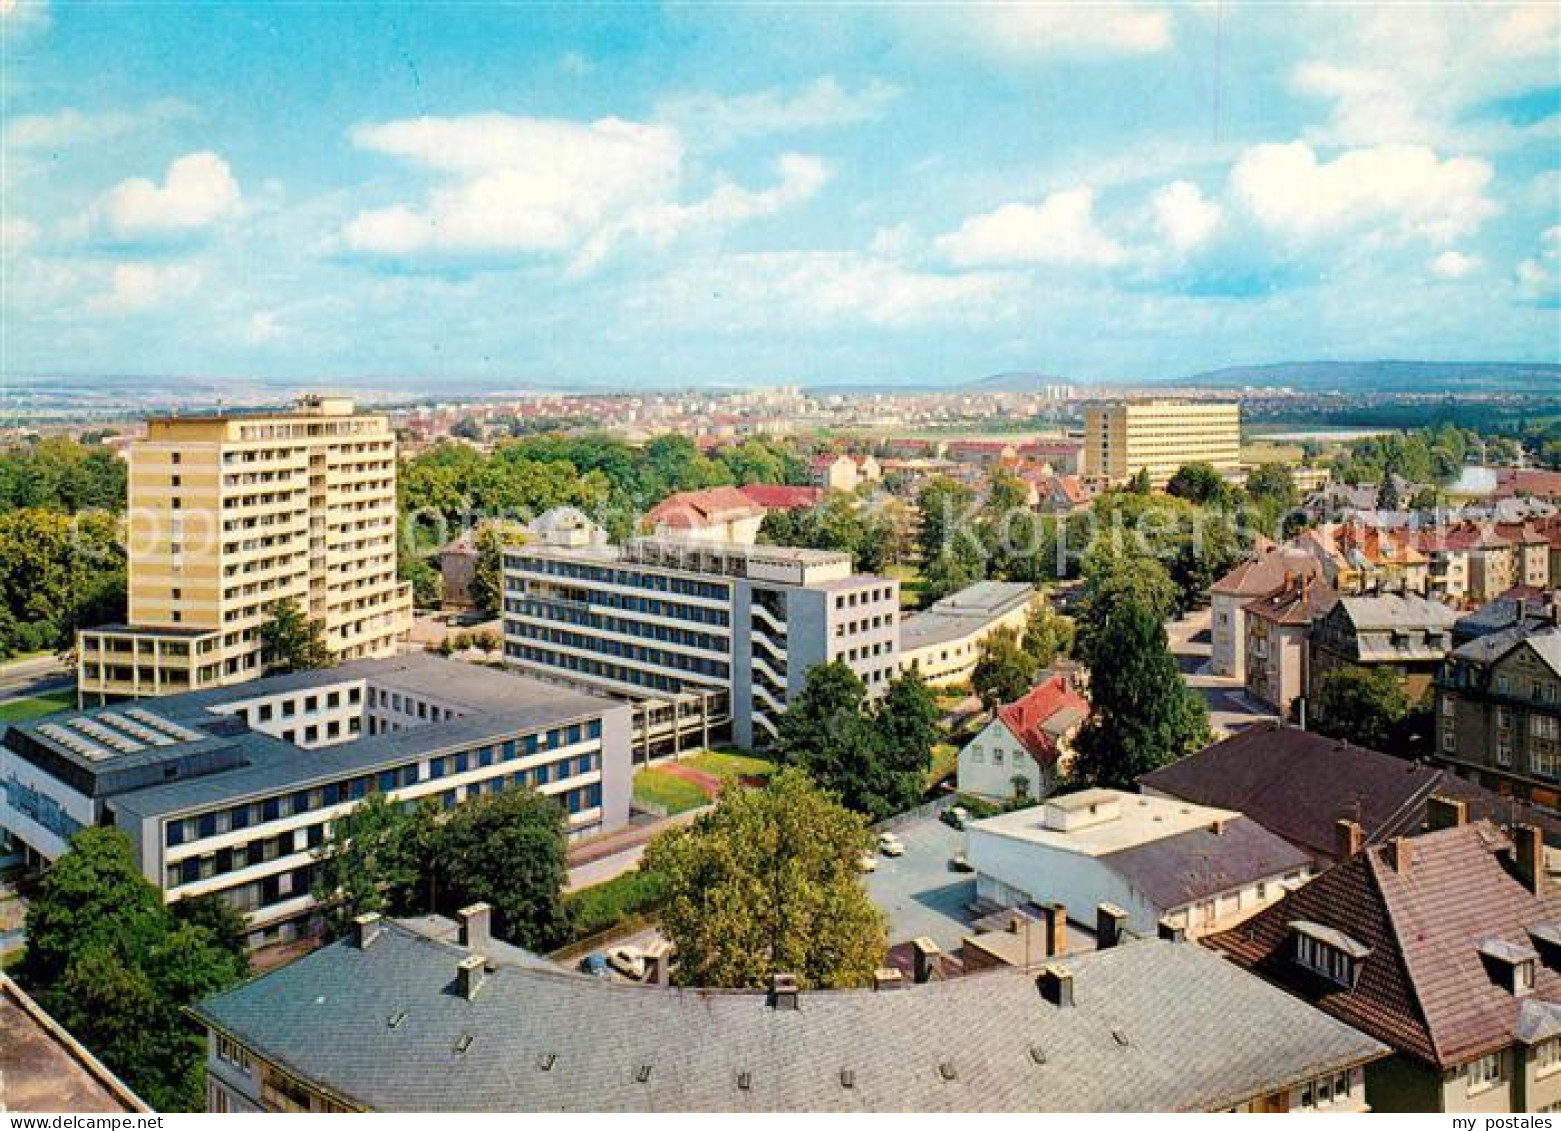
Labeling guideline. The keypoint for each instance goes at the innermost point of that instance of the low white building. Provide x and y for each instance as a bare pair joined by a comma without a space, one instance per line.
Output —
944,641
1026,746
1199,868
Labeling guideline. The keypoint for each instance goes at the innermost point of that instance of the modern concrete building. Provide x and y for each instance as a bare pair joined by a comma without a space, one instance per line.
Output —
1197,868
943,642
714,633
230,790
229,515
1160,436
423,1016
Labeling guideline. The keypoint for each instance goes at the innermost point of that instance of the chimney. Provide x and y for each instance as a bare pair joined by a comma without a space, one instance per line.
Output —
783,991
658,963
1171,932
887,978
1348,838
1400,854
1528,857
1218,827
1056,984
468,975
1110,926
476,922
365,929
1443,812
1054,920
925,954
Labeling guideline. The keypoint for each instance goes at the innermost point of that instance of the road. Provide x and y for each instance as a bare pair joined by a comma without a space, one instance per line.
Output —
1230,710
28,677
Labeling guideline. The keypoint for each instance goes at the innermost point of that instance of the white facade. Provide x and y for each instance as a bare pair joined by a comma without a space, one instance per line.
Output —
991,761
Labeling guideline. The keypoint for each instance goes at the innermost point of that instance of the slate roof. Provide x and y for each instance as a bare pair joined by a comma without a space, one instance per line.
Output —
782,498
1177,870
1297,784
1195,1034
1424,988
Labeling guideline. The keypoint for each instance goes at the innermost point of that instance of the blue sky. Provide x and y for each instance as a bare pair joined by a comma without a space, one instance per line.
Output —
739,193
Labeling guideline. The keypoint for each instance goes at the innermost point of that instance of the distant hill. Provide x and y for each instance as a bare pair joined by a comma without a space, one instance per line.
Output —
1534,378
1019,381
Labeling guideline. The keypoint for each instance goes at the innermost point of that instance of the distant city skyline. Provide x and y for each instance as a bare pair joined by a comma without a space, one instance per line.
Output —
761,195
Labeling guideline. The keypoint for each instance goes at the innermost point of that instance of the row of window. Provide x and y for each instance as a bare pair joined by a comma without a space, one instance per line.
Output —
613,646
600,669
623,626
627,602
629,578
219,821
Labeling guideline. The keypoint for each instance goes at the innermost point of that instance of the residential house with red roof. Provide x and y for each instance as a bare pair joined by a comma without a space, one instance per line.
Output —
1027,746
1279,629
1446,946
720,514
1261,575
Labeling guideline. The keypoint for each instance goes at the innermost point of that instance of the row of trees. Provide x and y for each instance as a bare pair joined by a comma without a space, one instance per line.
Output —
58,572
63,476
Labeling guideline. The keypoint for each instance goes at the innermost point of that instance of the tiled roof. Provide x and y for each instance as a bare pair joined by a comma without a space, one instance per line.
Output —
1424,988
1257,577
1039,718
1296,604
1155,1026
1298,784
782,498
697,508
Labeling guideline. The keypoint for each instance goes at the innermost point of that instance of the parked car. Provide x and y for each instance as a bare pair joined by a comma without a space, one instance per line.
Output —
957,816
867,862
628,961
594,964
890,845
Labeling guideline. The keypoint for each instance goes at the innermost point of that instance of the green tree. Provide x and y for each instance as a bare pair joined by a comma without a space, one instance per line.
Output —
828,731
487,587
1143,716
1200,483
1272,484
948,514
289,642
367,863
117,968
767,883
1004,670
1365,706
1112,579
906,719
427,581
1140,483
509,850
1047,635
960,565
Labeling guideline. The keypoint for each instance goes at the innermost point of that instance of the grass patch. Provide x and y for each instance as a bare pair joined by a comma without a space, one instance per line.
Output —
945,763
723,762
654,786
604,906
36,706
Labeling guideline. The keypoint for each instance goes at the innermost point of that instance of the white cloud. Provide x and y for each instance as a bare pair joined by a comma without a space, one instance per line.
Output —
551,187
1185,218
24,15
712,120
1539,278
1059,230
1395,190
197,192
1454,265
576,64
767,290
1023,33
69,126
17,233
139,286
520,184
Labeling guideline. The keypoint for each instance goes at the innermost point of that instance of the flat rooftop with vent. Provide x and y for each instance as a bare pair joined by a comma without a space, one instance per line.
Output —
1158,858
230,790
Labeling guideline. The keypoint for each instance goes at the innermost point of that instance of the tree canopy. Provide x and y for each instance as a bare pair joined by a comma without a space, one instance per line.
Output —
1366,706
768,883
291,642
1005,670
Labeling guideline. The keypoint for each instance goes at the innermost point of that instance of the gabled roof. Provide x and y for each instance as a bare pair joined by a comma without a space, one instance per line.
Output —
1264,574
1043,716
1424,988
1155,1025
782,498
701,508
1294,604
1298,784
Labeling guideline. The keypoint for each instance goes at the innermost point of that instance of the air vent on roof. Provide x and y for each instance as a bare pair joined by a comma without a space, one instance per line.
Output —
395,1019
1120,1037
546,1060
463,1042
744,1081
642,1074
847,1078
948,1071
1038,1054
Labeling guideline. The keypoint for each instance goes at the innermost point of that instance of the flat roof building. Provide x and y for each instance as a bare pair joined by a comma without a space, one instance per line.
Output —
229,791
736,627
230,514
944,641
1160,436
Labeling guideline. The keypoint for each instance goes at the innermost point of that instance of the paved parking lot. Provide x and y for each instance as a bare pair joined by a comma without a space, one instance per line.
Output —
920,892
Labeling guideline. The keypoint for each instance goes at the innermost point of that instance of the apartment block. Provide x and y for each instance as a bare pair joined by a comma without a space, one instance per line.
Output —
1160,436
729,630
230,514
230,791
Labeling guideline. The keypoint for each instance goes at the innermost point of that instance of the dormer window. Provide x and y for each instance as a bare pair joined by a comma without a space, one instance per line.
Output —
1510,965
1328,952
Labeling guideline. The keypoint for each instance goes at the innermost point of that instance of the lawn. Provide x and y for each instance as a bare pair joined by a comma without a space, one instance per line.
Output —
722,762
945,762
36,706
654,786
607,905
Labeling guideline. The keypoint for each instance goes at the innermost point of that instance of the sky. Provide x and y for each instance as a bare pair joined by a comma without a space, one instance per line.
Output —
478,194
